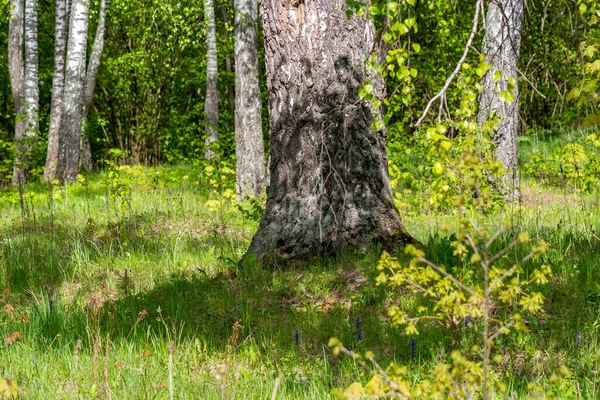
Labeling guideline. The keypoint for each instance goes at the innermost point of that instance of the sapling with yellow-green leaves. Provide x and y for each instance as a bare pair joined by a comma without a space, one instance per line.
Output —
489,281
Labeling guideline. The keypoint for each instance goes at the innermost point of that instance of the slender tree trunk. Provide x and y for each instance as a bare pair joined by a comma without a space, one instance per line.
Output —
250,152
72,118
58,85
211,106
90,83
228,63
501,47
30,102
16,69
329,183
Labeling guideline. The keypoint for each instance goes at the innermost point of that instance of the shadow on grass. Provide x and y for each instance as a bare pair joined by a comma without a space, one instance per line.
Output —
320,302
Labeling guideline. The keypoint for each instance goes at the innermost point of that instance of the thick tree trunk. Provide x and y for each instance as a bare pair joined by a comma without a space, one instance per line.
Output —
30,102
58,85
16,69
501,47
250,151
211,106
90,84
72,118
329,183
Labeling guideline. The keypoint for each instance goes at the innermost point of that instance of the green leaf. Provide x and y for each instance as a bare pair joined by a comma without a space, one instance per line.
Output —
416,47
507,97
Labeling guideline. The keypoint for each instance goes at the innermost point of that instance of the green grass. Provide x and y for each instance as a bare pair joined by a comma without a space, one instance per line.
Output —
141,268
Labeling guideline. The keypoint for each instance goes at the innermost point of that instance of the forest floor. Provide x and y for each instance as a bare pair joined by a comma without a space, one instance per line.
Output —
125,285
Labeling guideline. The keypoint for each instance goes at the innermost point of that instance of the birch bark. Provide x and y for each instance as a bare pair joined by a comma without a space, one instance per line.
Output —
501,47
250,152
211,105
16,69
25,135
329,184
90,83
58,85
72,118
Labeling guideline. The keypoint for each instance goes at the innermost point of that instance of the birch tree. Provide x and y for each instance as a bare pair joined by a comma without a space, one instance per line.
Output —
250,153
329,184
58,84
500,95
72,115
23,69
16,67
211,105
90,83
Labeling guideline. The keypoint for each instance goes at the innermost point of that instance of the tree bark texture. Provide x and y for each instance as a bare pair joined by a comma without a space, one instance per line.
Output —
26,135
329,183
72,118
58,85
501,47
211,105
16,69
250,151
90,83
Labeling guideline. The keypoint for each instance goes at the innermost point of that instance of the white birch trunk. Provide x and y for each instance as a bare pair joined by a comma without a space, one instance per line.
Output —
16,68
90,83
250,153
501,48
72,118
25,136
58,84
211,105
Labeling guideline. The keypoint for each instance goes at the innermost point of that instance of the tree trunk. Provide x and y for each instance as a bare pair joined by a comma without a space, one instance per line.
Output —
211,105
72,118
30,102
501,48
250,152
16,69
329,183
90,83
58,85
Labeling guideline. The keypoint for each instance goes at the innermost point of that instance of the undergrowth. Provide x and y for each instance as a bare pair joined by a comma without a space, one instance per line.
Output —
125,285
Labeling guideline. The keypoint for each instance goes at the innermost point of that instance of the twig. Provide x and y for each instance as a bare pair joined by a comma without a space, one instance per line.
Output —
442,92
447,275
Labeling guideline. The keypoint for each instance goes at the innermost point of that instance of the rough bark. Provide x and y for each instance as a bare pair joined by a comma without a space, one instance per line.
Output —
90,83
16,67
250,152
72,118
211,105
58,84
25,136
329,183
502,43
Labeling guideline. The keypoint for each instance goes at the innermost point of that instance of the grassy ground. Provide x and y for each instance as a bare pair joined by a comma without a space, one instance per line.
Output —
125,285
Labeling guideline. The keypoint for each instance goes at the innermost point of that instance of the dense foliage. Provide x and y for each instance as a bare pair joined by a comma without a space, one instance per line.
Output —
148,105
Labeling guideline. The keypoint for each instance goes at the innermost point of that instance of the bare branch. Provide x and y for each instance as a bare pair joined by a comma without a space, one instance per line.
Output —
478,7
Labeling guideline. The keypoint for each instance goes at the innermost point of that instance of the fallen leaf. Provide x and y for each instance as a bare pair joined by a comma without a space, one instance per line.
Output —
13,338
